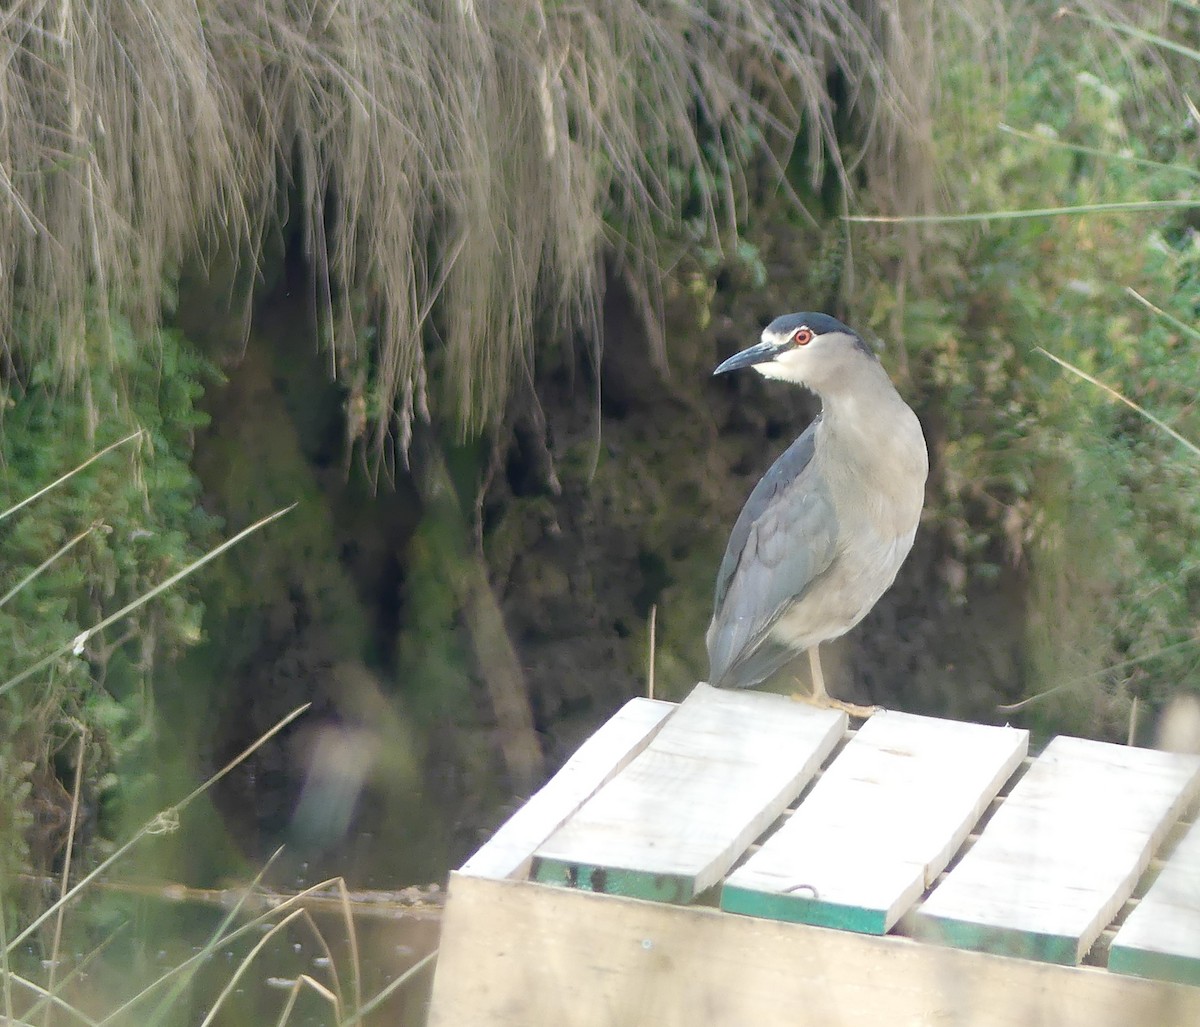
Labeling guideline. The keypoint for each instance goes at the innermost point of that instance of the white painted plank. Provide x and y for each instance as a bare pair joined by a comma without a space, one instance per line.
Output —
509,852
1161,937
670,824
880,825
515,954
1063,851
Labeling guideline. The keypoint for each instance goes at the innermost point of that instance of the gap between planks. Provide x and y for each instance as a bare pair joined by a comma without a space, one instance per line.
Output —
889,812
1097,954
1060,858
1189,816
509,851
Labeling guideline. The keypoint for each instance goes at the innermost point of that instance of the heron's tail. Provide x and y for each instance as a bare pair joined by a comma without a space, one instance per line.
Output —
754,667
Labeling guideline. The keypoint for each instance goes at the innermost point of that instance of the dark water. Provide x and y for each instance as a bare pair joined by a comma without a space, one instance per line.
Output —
316,969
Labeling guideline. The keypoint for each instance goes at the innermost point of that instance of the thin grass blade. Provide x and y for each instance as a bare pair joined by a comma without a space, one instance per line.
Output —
1171,319
79,640
62,551
1127,206
218,937
154,825
245,964
1124,399
70,474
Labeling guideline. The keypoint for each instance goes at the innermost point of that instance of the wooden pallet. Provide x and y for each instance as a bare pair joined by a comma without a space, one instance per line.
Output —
742,858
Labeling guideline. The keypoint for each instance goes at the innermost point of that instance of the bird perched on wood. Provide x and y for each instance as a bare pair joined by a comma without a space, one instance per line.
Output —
826,529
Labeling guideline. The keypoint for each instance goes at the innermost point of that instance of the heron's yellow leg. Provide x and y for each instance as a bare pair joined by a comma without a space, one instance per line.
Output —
822,698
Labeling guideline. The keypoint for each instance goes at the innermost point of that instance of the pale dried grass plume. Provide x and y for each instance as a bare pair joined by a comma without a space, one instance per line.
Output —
458,169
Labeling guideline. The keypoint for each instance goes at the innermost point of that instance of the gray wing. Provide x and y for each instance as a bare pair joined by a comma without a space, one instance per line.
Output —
784,538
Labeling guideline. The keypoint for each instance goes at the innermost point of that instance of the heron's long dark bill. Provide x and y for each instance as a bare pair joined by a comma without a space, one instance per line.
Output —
759,354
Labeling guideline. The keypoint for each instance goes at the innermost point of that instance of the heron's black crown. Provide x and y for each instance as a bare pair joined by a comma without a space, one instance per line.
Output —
821,324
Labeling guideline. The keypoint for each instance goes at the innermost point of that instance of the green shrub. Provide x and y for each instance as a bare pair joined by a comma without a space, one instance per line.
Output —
1033,466
135,515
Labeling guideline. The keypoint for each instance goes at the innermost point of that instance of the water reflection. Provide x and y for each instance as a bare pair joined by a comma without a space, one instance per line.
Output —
136,955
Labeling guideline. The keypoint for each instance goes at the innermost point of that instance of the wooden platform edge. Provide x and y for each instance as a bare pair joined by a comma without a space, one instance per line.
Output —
509,852
1161,936
518,953
1165,966
1021,943
637,884
805,909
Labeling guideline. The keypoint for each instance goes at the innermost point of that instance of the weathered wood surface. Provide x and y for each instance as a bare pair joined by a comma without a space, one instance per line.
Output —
1062,853
671,824
882,822
1161,937
515,954
509,852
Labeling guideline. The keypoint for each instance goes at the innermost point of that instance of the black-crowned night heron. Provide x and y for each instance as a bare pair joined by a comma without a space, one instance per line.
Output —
826,529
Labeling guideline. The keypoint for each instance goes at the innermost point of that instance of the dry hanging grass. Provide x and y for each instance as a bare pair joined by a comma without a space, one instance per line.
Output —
458,167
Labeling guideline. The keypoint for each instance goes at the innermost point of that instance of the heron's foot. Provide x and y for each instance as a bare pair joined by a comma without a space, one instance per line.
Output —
828,702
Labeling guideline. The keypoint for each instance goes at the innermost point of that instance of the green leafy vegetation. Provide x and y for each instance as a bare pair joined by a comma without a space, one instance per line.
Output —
130,520
1035,468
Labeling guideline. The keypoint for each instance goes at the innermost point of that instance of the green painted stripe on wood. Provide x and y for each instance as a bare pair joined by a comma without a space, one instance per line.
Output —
634,884
802,909
1162,966
1002,941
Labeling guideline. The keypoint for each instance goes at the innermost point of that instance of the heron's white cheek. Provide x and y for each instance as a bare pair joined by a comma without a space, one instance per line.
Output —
791,365
774,369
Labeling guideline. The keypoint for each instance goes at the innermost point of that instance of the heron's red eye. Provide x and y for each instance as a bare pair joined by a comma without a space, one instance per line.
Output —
803,336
